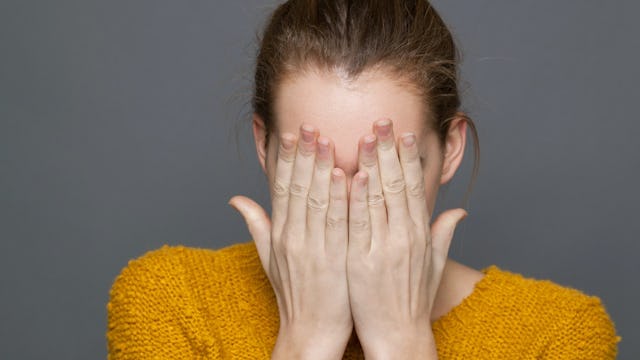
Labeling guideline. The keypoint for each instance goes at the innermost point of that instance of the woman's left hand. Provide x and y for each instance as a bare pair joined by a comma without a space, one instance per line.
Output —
395,258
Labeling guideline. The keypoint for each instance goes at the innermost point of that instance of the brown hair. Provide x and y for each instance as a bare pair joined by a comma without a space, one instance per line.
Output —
407,38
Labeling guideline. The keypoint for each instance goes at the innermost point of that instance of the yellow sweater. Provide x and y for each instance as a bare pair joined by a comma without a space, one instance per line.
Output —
181,302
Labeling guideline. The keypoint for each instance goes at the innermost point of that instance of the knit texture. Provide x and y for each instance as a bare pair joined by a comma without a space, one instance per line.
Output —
180,302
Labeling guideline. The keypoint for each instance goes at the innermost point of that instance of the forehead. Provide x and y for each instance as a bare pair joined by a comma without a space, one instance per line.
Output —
345,110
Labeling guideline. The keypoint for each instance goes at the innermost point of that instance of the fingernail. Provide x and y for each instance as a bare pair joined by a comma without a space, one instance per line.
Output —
323,146
383,127
362,178
230,203
288,140
369,143
336,174
409,139
308,133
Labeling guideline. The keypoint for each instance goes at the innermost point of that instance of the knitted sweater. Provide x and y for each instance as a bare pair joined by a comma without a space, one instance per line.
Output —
180,302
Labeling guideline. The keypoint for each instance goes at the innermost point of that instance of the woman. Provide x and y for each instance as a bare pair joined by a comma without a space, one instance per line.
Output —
356,125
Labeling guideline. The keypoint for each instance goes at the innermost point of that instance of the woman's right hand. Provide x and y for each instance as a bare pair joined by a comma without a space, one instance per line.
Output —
303,248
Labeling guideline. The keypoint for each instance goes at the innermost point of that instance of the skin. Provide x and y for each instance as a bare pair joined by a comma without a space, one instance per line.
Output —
350,243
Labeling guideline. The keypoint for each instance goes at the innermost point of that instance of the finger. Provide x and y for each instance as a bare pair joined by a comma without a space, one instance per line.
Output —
368,162
414,179
280,189
393,183
301,178
258,224
318,199
336,225
442,231
359,221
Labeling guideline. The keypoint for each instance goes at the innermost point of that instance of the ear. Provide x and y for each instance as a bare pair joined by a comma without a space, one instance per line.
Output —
260,138
454,148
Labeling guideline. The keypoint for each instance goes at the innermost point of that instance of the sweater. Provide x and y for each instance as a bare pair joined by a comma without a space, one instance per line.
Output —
179,302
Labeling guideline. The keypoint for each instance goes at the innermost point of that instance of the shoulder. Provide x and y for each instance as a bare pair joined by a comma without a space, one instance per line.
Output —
176,294
535,292
172,265
182,254
572,322
171,258
509,313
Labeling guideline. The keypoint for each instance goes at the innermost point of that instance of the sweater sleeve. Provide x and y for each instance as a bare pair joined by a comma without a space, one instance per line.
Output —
151,314
590,334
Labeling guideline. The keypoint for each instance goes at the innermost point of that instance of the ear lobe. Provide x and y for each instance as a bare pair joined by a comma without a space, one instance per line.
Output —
260,139
454,148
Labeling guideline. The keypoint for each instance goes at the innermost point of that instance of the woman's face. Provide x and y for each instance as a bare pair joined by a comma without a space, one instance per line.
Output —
345,112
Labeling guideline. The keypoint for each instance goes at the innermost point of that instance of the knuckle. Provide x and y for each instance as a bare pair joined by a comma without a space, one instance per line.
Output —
305,153
359,225
369,162
416,190
285,156
402,244
290,246
375,200
297,189
394,185
335,222
316,202
280,189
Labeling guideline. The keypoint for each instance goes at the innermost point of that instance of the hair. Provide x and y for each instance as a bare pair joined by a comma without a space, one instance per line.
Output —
405,38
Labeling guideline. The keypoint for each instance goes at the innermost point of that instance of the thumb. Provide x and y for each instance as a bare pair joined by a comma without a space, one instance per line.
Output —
259,226
443,228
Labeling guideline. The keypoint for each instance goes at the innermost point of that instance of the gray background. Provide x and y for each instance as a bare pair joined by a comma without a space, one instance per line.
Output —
117,123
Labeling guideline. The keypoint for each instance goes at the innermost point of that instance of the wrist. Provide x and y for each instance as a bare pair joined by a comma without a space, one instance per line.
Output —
305,345
417,345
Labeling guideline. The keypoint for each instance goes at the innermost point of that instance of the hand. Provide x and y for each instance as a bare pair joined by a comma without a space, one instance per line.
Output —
395,260
303,248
